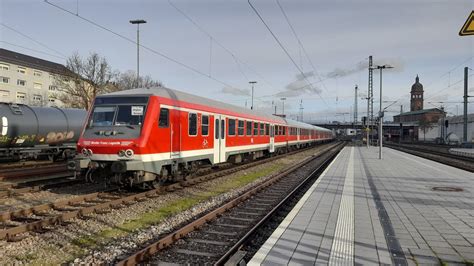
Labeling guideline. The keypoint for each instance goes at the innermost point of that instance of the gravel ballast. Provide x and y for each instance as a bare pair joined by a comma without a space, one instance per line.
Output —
99,238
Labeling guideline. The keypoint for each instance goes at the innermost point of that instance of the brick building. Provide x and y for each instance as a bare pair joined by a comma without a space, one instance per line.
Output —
424,122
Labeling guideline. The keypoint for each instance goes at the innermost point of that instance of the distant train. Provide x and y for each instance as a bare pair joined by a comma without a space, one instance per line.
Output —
149,136
28,132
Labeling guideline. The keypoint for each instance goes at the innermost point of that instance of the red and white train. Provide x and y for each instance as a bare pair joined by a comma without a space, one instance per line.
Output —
144,136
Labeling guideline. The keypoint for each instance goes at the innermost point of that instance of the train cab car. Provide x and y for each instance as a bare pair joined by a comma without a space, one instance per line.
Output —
148,136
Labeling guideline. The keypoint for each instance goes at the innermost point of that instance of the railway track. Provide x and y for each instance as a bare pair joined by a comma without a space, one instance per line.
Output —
15,189
14,223
225,229
461,162
31,172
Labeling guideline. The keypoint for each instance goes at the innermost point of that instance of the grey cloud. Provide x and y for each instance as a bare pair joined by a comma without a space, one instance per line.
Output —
299,87
396,63
235,91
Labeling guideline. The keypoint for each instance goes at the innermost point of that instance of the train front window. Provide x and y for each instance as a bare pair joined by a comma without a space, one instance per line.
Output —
103,116
119,115
130,115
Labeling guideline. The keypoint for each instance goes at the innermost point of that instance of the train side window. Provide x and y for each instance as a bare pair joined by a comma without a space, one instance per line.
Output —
231,130
255,128
164,119
249,128
284,130
262,129
192,129
216,129
267,129
205,125
240,128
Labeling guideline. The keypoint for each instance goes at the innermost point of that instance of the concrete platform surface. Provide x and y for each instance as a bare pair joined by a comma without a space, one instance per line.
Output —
402,210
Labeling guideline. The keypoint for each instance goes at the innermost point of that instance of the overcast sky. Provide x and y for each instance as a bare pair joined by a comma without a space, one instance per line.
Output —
416,37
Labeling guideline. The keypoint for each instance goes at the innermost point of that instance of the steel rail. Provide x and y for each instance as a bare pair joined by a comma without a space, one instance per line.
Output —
464,163
169,239
262,221
9,233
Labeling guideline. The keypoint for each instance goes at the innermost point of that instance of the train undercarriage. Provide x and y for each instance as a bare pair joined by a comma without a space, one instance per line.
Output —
130,173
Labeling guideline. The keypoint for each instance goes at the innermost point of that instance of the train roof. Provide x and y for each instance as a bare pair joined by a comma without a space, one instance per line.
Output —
187,97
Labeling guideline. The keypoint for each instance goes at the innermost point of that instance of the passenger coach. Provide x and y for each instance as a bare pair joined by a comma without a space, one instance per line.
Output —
152,135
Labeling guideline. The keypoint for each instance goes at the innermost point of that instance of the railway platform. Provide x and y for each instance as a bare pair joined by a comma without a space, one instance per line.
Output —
402,210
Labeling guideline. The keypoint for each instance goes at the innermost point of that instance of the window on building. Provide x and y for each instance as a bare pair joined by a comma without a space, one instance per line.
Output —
21,70
192,129
4,93
51,99
37,98
4,80
164,119
249,128
255,129
21,82
53,88
37,73
21,97
205,125
231,130
4,66
37,85
240,128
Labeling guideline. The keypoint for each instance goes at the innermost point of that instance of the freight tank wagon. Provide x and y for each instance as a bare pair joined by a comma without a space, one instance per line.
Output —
28,132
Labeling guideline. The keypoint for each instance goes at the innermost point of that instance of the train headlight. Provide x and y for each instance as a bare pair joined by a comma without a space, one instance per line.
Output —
121,153
87,152
129,153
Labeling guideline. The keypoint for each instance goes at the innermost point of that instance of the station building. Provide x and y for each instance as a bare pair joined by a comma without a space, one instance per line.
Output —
420,124
29,80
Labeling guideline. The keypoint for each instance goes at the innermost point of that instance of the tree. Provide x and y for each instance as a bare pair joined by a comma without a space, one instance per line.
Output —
85,79
424,124
128,80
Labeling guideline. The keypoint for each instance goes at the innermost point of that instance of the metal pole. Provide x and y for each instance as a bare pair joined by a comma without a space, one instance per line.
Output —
252,98
138,54
355,108
464,138
138,22
252,82
370,110
367,123
380,117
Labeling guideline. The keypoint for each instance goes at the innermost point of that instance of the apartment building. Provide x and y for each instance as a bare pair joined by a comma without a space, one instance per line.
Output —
28,80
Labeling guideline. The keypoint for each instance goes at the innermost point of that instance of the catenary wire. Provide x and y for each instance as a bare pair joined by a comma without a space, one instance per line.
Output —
283,47
32,39
141,45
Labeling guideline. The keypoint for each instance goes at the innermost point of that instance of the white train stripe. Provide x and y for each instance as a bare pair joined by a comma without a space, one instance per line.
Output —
183,154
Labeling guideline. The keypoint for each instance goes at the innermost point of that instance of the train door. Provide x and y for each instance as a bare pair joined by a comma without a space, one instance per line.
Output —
272,138
219,139
175,134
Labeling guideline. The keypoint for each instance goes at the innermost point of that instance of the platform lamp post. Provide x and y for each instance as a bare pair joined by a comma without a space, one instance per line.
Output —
380,109
252,82
138,22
